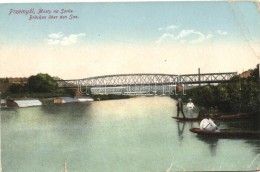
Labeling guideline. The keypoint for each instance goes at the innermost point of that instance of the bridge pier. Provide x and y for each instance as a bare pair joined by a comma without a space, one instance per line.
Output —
199,76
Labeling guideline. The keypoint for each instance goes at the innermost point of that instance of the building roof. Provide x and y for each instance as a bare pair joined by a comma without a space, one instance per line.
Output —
246,73
27,103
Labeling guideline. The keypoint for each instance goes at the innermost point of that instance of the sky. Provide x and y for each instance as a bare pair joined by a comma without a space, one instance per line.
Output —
108,38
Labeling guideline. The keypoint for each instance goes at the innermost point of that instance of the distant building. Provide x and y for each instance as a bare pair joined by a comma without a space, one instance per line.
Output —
4,87
16,80
61,100
5,83
246,74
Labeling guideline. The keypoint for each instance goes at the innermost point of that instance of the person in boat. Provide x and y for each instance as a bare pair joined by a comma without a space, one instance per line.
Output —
207,124
216,112
180,108
190,107
202,113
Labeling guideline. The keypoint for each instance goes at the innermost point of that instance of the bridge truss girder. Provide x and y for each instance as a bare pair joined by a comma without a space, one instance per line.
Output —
121,80
206,78
129,83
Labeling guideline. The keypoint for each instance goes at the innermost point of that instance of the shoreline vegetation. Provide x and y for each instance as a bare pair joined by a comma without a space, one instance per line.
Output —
240,95
44,88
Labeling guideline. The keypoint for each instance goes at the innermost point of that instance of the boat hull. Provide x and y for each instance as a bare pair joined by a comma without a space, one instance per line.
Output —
227,133
222,117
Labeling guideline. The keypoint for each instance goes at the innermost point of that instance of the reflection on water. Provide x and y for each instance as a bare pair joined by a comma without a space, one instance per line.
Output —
246,124
181,126
211,142
68,108
255,145
136,134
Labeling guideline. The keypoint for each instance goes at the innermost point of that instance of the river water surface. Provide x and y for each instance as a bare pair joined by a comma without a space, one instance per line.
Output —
137,134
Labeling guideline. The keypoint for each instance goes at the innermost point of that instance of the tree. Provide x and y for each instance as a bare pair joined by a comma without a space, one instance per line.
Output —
17,88
41,83
250,98
242,94
234,94
202,96
222,99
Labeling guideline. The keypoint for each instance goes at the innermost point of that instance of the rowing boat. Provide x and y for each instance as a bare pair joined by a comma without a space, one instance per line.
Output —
221,117
187,119
227,133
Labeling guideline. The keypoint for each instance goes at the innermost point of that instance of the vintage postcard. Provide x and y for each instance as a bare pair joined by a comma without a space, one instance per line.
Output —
130,86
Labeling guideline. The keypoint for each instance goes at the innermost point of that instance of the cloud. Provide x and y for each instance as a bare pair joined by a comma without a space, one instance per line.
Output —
168,28
220,32
173,34
55,35
185,36
171,27
60,39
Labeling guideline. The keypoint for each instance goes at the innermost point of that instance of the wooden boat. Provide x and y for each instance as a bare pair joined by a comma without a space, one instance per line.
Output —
187,119
227,133
221,117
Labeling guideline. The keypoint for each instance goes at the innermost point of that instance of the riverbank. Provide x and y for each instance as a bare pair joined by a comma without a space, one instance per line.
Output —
239,95
12,101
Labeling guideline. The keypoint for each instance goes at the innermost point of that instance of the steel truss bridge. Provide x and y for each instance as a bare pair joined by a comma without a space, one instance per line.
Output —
143,83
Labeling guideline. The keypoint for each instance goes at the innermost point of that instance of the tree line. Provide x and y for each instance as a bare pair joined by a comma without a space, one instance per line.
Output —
241,94
38,86
40,83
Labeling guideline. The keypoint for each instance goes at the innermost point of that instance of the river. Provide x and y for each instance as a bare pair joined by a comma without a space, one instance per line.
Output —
136,134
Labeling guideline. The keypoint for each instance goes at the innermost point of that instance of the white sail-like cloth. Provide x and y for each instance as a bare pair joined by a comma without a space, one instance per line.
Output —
207,125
